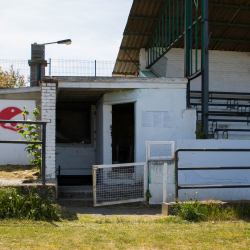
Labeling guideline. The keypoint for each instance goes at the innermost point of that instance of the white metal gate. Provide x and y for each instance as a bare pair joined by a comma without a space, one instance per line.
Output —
119,183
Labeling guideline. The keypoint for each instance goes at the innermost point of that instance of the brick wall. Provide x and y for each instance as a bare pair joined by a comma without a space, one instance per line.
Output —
229,71
37,54
48,99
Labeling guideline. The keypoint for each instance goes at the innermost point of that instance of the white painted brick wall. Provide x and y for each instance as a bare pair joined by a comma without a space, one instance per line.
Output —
48,98
229,71
142,59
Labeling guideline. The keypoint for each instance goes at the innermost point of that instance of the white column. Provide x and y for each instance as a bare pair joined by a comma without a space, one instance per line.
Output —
48,105
107,130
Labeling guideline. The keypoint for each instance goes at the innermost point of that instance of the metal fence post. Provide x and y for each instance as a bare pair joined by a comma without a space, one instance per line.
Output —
205,65
49,66
187,48
43,151
176,176
95,68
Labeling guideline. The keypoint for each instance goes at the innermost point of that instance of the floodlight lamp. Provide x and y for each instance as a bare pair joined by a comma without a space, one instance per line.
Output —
66,41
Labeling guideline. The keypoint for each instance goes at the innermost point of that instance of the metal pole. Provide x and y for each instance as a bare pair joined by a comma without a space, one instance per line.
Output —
188,94
43,152
95,68
176,177
205,66
49,66
187,49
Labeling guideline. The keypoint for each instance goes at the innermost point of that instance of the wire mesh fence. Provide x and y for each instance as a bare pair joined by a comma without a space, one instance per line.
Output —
115,184
80,68
61,67
21,65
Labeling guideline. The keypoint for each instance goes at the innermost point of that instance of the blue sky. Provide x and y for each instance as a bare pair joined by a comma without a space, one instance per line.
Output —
94,26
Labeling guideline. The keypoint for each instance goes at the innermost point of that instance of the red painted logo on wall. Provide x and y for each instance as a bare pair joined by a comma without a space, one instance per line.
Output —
9,114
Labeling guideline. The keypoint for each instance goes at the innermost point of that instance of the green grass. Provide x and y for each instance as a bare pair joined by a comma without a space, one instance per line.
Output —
21,227
124,232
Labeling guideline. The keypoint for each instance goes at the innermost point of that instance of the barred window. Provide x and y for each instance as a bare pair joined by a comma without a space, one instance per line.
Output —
73,123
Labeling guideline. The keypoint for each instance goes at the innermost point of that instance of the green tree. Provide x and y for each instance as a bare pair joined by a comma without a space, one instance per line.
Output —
11,78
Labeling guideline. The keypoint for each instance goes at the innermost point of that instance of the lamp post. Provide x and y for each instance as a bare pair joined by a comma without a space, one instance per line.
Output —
38,63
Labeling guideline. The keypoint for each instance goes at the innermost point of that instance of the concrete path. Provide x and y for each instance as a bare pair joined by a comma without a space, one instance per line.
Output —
122,209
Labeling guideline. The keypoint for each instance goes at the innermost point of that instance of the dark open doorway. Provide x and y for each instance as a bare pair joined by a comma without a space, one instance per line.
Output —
123,133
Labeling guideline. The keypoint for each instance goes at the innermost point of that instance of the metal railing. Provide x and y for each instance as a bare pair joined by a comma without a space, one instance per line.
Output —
119,183
221,95
236,105
42,142
177,168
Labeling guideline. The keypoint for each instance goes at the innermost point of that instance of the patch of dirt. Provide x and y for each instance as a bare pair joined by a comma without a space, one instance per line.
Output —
18,172
13,175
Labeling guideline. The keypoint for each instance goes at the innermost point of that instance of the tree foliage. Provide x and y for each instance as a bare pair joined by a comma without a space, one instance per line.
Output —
11,78
29,133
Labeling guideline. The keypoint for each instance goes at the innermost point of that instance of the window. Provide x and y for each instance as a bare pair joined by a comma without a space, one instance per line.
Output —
73,125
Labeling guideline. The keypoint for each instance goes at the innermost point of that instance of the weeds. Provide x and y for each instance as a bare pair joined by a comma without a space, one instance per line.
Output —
14,204
197,211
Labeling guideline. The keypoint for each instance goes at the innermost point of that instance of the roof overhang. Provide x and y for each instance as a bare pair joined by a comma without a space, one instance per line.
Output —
229,24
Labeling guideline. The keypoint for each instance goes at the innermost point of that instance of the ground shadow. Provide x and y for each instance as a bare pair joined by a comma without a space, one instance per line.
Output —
122,209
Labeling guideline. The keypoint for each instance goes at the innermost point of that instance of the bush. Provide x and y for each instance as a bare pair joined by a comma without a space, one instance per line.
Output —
14,204
191,211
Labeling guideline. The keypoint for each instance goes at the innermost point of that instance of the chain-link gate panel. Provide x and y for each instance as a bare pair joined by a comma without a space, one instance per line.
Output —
119,183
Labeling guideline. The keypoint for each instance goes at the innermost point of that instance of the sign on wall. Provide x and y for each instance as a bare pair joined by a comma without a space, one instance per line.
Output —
157,119
12,110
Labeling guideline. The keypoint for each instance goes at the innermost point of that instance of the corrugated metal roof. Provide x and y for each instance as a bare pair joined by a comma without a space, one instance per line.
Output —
228,20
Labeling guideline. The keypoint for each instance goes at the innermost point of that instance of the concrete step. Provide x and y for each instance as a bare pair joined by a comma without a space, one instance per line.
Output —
75,202
75,192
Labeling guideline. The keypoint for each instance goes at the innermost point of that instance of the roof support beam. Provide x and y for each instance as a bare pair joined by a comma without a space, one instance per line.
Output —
160,1
143,18
124,74
229,6
238,25
130,48
229,40
135,34
126,61
136,64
